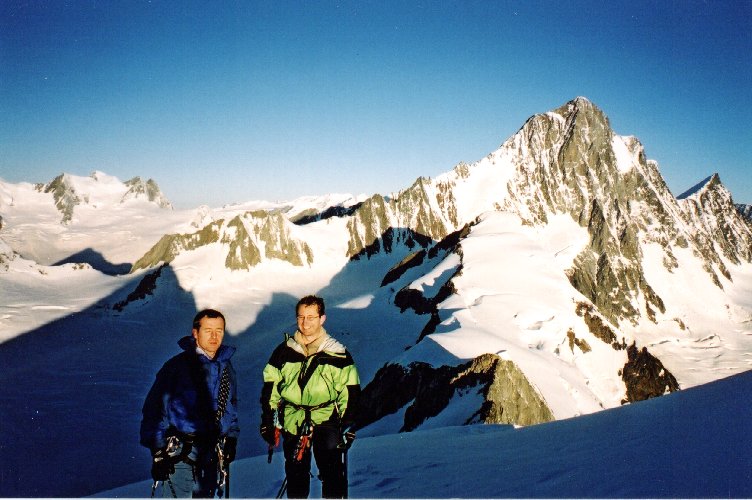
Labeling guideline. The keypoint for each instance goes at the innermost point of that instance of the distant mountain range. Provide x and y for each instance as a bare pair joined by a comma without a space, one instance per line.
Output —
555,277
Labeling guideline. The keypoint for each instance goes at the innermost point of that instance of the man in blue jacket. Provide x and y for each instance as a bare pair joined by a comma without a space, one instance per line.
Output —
190,418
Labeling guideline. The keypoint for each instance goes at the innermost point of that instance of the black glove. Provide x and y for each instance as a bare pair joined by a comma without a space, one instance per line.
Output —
230,448
348,436
161,465
268,432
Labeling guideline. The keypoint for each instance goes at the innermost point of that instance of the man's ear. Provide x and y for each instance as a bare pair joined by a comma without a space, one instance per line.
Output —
195,333
323,318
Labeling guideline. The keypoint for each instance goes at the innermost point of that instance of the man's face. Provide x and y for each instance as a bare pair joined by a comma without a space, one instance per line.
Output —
309,320
209,335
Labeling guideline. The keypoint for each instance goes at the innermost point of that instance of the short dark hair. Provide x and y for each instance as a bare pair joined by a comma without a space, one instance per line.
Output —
310,300
207,313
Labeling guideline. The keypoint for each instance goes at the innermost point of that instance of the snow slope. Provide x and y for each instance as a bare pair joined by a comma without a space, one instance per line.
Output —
690,444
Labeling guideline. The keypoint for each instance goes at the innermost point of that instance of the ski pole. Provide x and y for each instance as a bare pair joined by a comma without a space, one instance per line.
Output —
227,482
172,488
169,483
282,488
345,485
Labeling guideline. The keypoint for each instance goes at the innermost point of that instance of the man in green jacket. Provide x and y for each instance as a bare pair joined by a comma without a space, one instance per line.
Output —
310,393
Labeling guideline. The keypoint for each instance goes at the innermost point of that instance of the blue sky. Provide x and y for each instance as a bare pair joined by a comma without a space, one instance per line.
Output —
224,102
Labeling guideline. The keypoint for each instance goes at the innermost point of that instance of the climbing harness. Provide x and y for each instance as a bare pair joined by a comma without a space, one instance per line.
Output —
176,451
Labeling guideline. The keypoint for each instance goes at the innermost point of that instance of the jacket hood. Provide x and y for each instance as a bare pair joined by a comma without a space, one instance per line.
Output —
225,352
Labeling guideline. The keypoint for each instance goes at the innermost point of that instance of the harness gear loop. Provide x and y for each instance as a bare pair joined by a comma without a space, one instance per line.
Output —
304,441
306,429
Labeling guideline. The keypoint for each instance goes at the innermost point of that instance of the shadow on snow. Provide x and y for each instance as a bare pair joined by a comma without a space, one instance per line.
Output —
72,390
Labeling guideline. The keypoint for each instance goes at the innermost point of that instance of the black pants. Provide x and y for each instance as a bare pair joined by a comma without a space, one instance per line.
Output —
329,460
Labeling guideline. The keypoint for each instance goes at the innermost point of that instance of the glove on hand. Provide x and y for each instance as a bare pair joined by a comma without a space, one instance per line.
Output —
161,465
268,432
348,436
231,446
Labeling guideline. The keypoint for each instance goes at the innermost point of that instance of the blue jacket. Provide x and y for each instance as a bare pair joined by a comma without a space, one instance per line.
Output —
183,398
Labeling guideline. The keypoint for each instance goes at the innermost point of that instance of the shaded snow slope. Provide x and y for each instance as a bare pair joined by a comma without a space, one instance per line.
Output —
691,444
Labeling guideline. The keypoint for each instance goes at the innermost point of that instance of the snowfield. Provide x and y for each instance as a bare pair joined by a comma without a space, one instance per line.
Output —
690,444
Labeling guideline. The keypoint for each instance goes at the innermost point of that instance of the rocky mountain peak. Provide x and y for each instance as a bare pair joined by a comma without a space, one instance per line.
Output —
570,161
708,183
719,227
566,161
580,108
99,191
137,188
64,194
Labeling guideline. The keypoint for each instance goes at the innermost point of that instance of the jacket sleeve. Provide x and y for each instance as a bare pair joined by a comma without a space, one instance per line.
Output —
270,396
154,422
347,400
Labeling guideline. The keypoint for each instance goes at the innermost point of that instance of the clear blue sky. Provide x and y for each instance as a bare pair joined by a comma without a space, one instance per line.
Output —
225,102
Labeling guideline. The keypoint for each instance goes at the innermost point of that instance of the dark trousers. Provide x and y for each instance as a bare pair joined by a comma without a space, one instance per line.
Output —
329,460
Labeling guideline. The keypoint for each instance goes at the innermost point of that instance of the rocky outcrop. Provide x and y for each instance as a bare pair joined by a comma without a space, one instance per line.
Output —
598,326
247,240
145,287
645,376
425,391
411,218
149,189
411,298
312,215
719,226
169,246
412,260
368,227
242,252
509,397
6,256
414,299
451,242
63,194
581,344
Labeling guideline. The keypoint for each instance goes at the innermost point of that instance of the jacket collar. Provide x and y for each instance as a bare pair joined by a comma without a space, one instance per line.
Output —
224,353
325,343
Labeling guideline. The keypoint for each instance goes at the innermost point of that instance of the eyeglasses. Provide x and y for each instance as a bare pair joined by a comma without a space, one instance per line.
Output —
308,318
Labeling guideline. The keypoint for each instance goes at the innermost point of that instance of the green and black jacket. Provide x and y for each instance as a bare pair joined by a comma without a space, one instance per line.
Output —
324,385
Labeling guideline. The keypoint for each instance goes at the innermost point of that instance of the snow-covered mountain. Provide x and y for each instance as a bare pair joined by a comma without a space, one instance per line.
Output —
100,190
51,222
556,277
